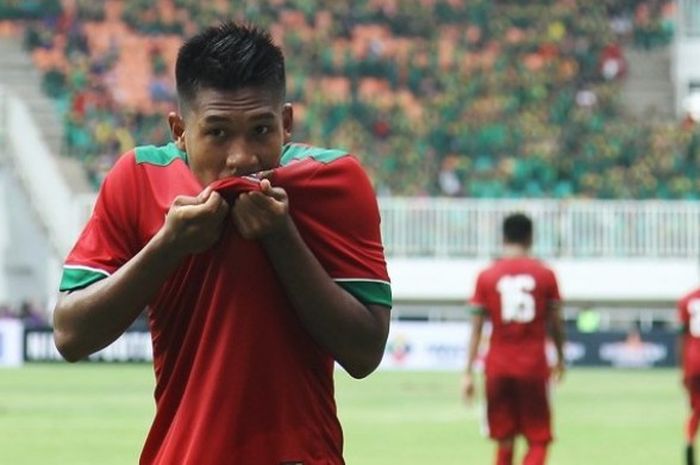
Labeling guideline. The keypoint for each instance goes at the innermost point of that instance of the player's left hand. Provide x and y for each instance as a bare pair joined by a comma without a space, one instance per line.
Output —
468,388
259,214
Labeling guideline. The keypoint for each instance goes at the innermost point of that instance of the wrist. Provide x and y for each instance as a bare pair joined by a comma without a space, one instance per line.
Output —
165,247
281,235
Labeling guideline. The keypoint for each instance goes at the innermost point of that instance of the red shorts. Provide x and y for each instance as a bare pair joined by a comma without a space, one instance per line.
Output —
692,385
518,406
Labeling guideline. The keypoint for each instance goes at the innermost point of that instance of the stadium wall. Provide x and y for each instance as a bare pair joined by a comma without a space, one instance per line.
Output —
603,280
38,209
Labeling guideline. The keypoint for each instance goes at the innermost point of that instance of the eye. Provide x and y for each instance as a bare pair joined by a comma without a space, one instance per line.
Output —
262,130
216,133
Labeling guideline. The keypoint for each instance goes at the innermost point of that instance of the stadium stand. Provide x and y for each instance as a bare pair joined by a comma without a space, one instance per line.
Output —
439,97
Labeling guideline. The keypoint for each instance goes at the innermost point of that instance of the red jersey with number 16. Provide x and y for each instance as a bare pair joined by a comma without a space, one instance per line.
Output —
689,317
238,379
515,293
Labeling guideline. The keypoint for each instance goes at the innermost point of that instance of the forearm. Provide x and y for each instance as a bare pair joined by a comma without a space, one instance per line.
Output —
558,337
89,319
474,342
353,333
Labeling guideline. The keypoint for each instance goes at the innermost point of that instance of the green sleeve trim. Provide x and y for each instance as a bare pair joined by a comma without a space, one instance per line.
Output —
473,310
368,292
75,278
298,151
159,156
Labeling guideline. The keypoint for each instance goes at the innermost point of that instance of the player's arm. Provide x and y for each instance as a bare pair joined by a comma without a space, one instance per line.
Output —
87,320
680,344
683,330
478,317
558,335
354,333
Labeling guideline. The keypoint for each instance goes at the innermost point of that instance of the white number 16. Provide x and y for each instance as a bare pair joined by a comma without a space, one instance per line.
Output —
517,302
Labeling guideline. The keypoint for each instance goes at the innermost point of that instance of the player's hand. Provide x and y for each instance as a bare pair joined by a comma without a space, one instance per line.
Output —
194,224
558,371
468,388
260,214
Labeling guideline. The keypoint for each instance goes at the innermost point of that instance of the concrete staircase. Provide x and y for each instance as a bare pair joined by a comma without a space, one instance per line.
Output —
19,76
648,90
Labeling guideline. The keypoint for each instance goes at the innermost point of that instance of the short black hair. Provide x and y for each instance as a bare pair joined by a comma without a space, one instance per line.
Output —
229,57
517,229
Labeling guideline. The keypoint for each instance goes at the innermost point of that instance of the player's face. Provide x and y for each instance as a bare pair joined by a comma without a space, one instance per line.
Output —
232,133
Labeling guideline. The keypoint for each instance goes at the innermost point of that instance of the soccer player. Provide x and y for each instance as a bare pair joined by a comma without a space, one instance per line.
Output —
253,293
520,296
689,358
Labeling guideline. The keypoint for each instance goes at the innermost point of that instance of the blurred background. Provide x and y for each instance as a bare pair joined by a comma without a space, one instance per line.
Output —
583,114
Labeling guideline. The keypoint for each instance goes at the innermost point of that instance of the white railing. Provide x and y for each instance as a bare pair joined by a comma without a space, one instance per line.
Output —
440,227
574,228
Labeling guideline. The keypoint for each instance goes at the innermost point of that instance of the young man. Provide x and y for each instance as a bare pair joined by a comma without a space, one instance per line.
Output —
689,358
253,293
520,296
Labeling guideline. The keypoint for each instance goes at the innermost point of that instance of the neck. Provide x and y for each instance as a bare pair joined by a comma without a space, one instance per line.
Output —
515,251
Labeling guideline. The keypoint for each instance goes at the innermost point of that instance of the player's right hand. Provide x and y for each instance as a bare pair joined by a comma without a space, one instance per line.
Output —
194,224
468,388
558,371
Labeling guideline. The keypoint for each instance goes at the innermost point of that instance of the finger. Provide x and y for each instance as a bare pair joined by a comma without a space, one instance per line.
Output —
276,193
183,200
261,201
244,224
267,174
213,201
223,208
204,195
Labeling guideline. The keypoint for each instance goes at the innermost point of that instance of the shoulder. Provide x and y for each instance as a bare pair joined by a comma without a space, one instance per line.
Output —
329,162
490,272
694,294
162,155
542,267
334,172
295,152
130,168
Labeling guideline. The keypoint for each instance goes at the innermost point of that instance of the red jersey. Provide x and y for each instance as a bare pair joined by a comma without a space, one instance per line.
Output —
689,317
516,294
238,378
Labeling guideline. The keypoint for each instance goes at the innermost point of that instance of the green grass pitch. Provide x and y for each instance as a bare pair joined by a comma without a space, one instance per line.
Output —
99,414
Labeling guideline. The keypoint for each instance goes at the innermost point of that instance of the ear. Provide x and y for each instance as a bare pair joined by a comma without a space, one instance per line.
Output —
177,130
287,122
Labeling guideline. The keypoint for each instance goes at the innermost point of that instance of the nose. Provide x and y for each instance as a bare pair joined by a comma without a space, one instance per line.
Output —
241,161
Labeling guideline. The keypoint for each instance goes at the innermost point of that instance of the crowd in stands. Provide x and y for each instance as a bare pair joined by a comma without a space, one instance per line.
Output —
482,98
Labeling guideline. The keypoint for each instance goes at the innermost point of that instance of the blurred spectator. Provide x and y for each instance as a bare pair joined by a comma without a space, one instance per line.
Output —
6,312
440,97
31,316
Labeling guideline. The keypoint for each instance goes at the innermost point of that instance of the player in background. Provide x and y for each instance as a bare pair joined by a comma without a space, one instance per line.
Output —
252,295
689,358
520,296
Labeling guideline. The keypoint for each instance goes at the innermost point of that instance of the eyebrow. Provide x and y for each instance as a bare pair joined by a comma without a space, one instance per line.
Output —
265,115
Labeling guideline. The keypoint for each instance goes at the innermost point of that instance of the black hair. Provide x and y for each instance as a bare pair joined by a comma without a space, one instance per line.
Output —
517,229
229,57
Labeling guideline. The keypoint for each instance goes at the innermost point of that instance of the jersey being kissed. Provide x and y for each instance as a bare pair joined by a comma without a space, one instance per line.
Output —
516,293
238,379
689,317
